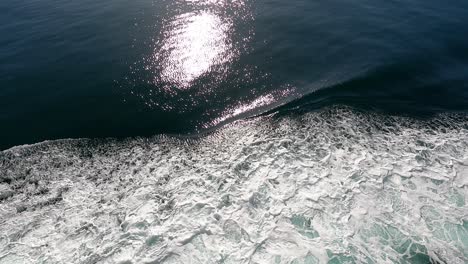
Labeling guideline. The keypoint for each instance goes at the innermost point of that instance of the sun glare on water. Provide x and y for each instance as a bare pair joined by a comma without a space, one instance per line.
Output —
196,42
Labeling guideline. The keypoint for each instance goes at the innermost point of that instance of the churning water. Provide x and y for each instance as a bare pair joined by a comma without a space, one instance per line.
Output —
233,131
330,186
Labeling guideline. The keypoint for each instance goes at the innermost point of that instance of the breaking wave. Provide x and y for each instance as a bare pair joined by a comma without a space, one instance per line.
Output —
329,186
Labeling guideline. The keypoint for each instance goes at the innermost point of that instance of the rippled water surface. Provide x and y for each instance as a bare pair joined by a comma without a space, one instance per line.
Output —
233,131
334,186
139,68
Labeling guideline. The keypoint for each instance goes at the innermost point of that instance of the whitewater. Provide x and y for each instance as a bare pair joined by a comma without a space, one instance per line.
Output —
335,185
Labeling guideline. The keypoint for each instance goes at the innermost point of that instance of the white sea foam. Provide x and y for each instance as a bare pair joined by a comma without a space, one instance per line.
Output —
333,186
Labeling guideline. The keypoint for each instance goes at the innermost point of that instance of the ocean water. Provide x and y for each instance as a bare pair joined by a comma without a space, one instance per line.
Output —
330,186
74,69
214,131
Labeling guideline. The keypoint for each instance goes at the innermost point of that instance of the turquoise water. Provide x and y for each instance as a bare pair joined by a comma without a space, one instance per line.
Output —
329,186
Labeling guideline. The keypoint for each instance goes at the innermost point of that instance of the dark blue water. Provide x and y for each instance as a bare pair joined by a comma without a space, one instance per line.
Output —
102,68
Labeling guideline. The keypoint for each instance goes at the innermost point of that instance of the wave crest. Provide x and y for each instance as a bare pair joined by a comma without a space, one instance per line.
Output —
329,186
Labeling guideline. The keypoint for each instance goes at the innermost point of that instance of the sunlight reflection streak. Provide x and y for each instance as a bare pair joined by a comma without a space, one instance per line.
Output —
196,43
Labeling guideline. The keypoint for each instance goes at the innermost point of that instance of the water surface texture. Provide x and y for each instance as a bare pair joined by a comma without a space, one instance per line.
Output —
331,186
139,68
212,131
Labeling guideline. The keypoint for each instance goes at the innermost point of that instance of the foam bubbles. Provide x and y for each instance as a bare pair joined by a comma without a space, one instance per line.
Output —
333,186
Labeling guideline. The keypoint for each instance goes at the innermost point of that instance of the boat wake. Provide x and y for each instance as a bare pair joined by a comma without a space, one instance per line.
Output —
329,186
